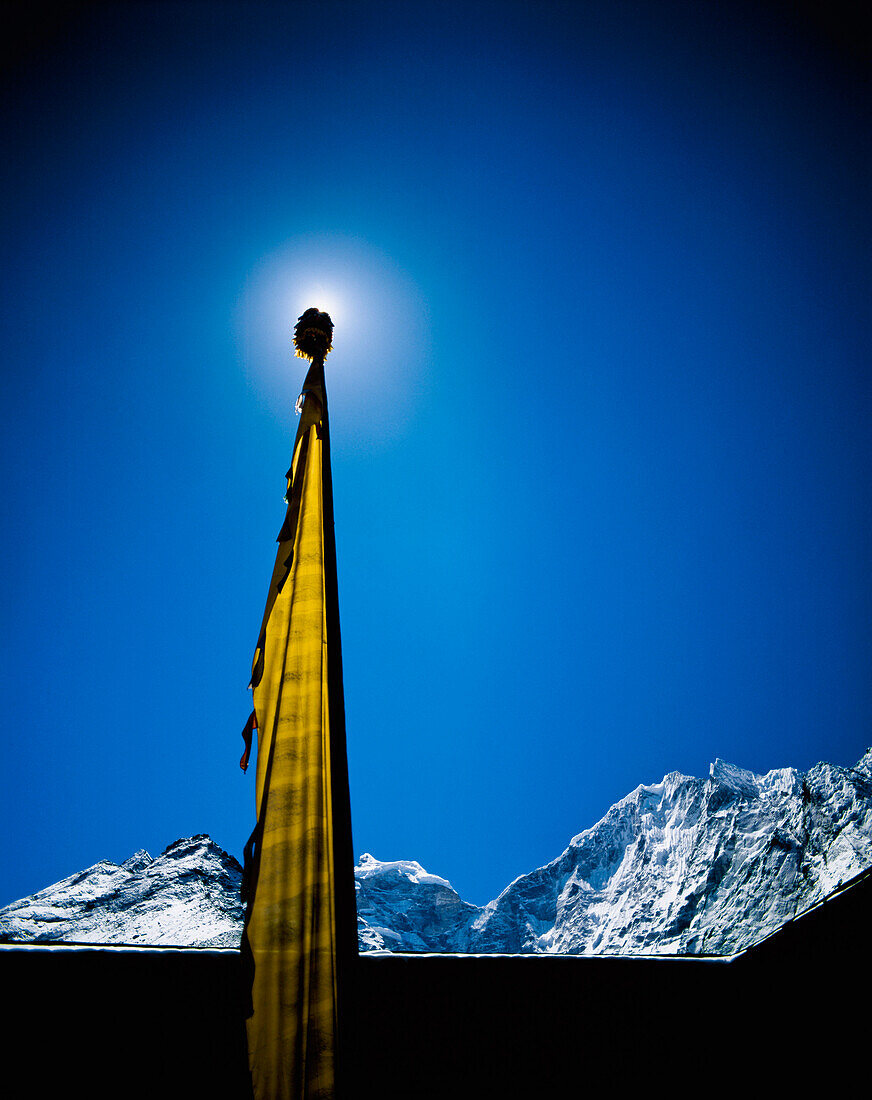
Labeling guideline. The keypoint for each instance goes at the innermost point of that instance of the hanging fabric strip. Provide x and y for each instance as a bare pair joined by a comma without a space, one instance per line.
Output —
247,733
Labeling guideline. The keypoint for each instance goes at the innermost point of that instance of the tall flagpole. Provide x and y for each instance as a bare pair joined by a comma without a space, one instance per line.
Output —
300,937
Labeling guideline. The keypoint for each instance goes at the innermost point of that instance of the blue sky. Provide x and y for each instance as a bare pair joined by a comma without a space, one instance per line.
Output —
600,405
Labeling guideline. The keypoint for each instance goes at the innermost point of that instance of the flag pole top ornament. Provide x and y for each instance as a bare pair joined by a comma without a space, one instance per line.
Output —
313,335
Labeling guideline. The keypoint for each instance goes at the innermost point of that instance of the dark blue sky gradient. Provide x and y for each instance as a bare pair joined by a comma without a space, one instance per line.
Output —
600,402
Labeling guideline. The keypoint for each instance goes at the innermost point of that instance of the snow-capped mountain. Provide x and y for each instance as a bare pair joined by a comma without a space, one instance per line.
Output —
400,907
692,866
187,897
686,866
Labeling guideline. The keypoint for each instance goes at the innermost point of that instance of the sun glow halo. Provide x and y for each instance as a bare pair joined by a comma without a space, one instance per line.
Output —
380,328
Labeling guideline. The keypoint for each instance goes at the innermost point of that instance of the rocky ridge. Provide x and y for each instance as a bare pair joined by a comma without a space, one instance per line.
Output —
188,896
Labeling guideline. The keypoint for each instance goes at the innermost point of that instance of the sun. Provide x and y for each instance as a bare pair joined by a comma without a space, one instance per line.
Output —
323,298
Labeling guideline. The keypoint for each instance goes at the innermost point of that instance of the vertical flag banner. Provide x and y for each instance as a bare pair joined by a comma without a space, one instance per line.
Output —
300,937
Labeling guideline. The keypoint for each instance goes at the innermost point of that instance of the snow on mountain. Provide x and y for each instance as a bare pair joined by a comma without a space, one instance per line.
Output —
400,907
682,866
187,897
686,865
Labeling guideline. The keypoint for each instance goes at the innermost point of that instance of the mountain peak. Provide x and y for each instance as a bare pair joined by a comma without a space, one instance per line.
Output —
138,861
188,897
739,780
370,867
187,845
864,764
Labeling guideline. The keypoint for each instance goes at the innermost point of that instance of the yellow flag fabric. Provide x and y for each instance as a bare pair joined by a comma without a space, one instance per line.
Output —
291,925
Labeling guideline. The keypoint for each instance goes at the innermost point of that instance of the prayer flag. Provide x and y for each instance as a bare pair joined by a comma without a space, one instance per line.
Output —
300,929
